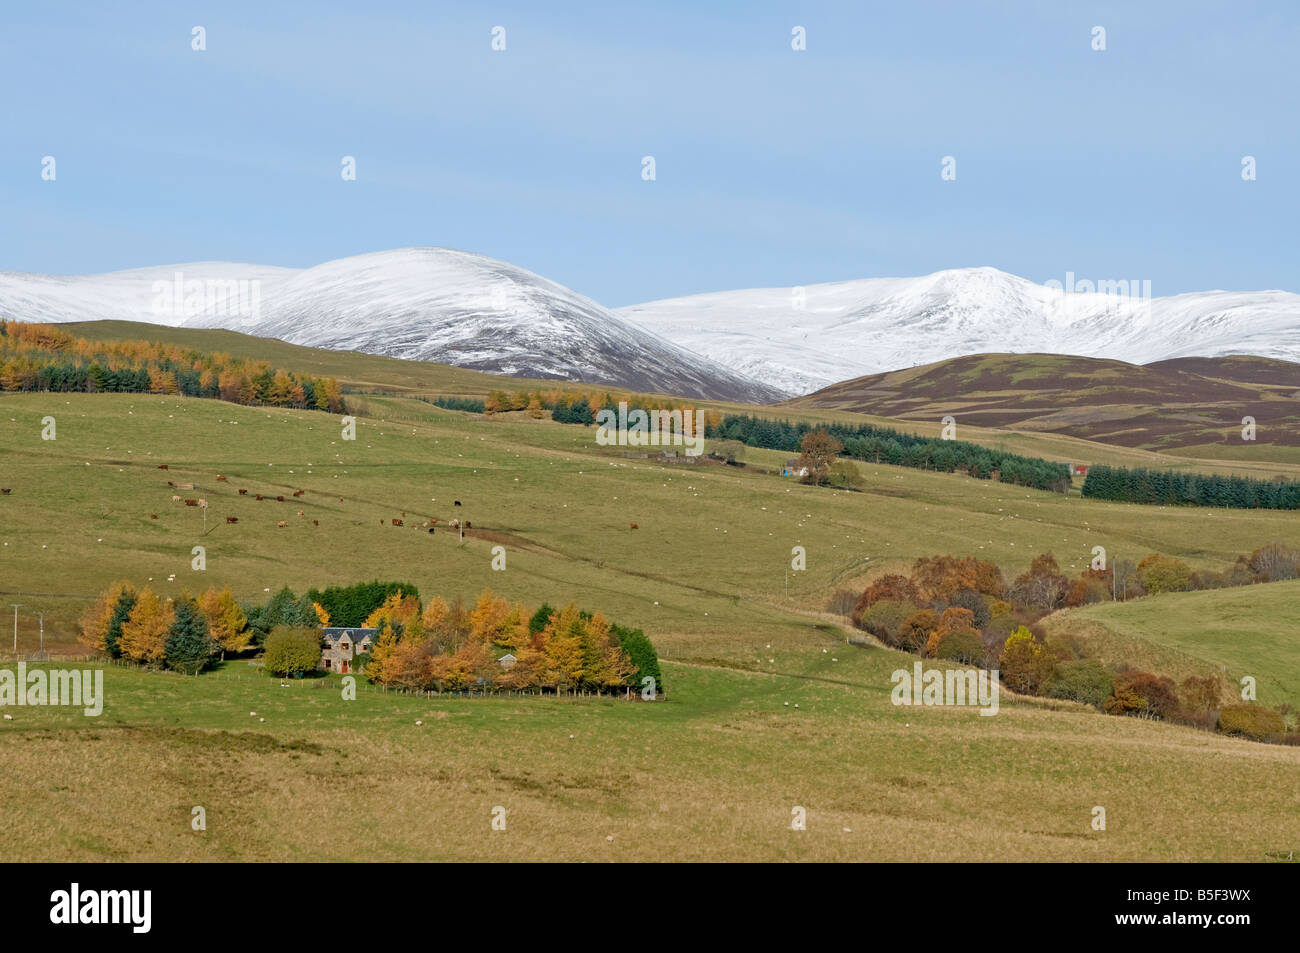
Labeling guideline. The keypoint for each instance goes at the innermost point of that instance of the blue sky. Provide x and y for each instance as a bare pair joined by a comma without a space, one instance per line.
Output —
774,167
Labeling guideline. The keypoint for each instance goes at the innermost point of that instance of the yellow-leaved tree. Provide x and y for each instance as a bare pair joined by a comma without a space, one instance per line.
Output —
1025,662
397,609
381,668
101,624
562,655
144,634
226,619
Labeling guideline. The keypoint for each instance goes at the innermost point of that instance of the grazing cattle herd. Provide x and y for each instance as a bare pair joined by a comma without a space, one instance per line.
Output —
428,524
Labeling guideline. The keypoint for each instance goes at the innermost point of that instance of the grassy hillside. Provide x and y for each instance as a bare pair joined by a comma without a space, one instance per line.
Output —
354,370
710,772
1254,630
711,539
366,373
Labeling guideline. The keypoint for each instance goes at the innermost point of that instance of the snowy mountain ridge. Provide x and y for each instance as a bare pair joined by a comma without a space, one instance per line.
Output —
802,339
759,344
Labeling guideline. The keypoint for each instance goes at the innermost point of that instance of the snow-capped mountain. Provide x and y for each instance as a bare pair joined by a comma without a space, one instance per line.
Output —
121,295
432,304
758,345
436,304
802,339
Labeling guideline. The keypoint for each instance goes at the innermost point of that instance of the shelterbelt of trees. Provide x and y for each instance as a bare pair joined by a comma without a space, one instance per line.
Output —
962,609
863,442
1190,489
446,647
436,647
566,407
41,357
884,445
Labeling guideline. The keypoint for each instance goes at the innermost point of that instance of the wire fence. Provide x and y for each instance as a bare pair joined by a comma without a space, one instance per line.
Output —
320,682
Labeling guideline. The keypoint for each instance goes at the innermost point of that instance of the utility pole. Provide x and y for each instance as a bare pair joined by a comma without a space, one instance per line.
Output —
42,617
15,605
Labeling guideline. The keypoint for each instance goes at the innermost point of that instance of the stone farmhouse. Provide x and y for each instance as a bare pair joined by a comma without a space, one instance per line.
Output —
343,645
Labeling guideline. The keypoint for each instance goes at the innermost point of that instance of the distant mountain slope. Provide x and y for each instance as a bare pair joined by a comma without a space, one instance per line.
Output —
117,295
1163,405
804,339
756,345
458,308
430,304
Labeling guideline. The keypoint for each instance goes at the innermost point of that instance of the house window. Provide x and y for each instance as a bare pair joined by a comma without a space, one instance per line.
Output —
327,663
343,646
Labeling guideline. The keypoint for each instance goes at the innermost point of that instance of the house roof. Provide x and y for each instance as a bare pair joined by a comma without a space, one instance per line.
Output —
336,634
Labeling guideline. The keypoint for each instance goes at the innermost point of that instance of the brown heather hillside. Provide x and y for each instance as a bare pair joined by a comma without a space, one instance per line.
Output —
1187,402
1282,376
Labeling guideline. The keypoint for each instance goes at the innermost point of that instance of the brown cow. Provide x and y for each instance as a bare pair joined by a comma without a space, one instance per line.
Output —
162,466
300,512
258,495
299,492
397,522
279,499
243,493
191,502
315,522
7,492
232,519
153,516
634,526
469,525
221,479
282,524
170,483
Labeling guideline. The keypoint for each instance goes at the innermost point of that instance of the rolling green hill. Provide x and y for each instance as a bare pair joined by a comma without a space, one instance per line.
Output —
712,771
1252,630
